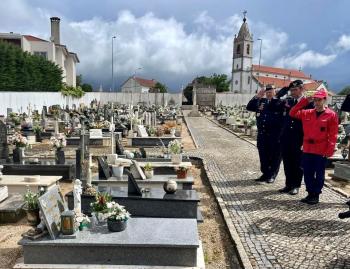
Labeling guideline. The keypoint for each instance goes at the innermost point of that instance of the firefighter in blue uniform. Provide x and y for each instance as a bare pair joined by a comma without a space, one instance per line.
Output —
269,122
292,138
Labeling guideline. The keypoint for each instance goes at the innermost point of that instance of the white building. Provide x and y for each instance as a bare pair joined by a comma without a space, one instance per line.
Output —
51,50
248,78
138,85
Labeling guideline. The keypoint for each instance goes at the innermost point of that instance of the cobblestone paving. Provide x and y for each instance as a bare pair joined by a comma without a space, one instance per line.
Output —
276,230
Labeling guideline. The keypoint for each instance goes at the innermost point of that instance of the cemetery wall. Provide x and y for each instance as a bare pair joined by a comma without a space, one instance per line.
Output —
230,98
21,100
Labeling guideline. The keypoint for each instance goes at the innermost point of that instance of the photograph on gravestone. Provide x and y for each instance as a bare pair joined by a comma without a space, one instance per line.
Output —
137,171
133,187
104,171
52,205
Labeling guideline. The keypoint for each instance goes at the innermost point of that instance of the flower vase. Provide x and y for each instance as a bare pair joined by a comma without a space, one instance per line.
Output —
176,158
149,174
59,156
116,225
18,154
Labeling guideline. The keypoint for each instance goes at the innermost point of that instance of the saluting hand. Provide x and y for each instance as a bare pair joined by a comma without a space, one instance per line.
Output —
260,93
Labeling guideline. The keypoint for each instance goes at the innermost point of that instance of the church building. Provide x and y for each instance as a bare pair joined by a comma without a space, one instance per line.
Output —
247,77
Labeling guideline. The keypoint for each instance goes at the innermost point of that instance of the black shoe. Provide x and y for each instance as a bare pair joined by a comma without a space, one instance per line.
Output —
285,190
294,191
261,179
270,180
313,200
306,199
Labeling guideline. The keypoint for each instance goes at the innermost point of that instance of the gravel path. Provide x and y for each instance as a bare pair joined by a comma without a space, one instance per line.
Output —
275,230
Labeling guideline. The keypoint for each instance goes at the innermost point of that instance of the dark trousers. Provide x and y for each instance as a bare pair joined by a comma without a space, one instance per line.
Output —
291,155
314,170
269,154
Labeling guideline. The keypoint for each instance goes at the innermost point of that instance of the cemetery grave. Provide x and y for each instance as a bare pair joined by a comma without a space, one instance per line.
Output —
81,160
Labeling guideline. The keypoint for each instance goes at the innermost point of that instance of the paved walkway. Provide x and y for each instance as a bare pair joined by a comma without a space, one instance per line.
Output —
272,230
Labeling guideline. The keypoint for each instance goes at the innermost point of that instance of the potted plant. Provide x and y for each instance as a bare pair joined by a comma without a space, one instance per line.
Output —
20,142
149,171
118,170
32,207
99,208
117,217
160,131
38,131
151,131
175,151
58,143
181,172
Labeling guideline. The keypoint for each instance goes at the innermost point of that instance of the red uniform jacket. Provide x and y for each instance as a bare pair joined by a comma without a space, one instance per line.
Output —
320,133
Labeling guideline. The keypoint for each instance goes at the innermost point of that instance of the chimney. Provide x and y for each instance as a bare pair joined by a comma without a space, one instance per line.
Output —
55,30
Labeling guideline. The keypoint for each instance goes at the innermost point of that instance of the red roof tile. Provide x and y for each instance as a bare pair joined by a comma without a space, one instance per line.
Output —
280,71
150,83
280,83
34,38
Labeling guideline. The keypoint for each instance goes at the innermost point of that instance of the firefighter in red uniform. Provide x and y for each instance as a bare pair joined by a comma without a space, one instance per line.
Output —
320,126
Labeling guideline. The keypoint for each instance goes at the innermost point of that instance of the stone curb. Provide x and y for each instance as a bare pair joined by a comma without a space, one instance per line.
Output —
190,131
242,254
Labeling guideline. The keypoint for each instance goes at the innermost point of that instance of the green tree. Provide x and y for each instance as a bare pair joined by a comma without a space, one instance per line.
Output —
21,71
86,87
220,82
161,87
345,90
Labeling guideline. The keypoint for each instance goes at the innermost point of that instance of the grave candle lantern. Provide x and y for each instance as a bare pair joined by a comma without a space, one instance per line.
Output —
67,222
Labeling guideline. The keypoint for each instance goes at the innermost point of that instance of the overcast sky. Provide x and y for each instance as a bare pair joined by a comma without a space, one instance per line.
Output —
175,40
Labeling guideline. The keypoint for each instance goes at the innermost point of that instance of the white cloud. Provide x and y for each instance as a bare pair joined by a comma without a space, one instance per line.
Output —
163,47
344,42
307,58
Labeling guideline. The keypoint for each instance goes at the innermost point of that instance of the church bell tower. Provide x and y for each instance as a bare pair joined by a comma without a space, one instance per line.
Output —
242,60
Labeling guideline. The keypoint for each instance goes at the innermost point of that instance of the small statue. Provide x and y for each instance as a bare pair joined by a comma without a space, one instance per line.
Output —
77,191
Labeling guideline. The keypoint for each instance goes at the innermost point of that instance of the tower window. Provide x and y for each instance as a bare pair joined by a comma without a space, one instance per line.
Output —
237,66
248,49
238,49
236,82
249,80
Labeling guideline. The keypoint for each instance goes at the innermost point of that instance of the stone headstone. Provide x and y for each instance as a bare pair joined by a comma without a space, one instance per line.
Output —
141,130
136,171
52,205
133,187
4,149
104,172
95,133
119,147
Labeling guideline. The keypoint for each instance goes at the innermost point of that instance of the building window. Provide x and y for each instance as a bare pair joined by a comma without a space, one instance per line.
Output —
237,66
236,82
41,54
248,49
249,80
238,49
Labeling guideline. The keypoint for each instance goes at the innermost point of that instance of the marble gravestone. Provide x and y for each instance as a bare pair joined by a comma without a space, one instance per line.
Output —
141,131
52,205
95,133
4,149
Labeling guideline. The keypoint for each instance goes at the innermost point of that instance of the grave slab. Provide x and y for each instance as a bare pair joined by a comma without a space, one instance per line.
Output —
18,184
151,141
146,241
154,204
11,209
157,181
